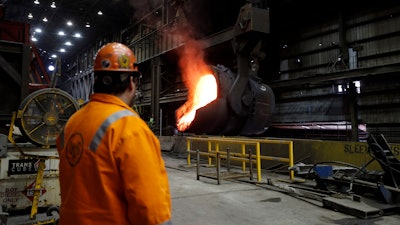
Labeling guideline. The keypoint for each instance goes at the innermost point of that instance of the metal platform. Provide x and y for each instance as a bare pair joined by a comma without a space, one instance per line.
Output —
364,208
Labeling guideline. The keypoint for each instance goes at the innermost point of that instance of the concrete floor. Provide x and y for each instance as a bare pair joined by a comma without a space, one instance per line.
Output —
204,202
233,202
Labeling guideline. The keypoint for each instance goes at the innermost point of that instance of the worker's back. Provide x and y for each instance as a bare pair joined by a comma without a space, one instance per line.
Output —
111,170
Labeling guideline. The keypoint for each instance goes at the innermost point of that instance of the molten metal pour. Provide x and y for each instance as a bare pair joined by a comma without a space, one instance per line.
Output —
204,93
209,111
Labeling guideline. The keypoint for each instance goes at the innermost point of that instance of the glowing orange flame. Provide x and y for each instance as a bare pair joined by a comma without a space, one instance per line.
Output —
205,92
198,78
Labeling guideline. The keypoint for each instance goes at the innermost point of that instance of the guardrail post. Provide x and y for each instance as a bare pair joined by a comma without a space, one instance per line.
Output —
228,161
209,145
258,160
243,155
198,164
219,167
188,150
251,164
291,160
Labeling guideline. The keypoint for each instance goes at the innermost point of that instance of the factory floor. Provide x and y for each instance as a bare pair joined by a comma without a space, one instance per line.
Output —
237,202
240,201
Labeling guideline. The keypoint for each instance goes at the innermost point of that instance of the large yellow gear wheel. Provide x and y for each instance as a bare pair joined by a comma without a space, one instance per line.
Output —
42,115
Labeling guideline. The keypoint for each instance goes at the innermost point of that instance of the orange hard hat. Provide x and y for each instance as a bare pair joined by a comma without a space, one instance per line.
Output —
115,57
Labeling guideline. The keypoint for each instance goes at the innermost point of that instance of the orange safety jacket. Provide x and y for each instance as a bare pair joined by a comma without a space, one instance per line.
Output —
111,169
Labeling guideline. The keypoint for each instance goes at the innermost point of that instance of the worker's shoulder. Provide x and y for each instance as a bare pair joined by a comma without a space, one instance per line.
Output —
127,117
130,126
108,115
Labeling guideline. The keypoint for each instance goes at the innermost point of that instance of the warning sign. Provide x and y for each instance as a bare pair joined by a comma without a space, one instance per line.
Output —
29,191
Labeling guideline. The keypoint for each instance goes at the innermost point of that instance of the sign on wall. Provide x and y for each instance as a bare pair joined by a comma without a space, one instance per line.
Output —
23,166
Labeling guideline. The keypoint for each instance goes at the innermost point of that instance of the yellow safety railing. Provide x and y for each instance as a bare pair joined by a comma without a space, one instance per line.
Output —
219,175
243,157
288,143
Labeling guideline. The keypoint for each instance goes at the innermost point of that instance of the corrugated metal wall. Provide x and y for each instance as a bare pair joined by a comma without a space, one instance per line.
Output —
361,47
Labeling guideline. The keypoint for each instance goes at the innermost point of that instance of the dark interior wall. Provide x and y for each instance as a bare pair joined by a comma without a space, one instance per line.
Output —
210,16
312,41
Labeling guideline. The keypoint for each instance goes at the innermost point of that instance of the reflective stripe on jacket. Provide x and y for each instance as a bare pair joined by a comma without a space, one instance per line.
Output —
111,169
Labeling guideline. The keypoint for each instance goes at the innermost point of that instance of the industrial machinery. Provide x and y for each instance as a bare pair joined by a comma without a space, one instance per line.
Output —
244,104
377,190
29,180
21,67
30,102
43,114
29,170
246,113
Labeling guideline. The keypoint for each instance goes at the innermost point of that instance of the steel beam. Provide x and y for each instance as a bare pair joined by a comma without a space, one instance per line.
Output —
342,75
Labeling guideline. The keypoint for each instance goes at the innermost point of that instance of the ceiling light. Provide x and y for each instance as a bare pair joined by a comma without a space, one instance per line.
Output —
45,19
30,16
51,68
62,49
68,43
53,5
77,35
87,24
34,39
69,23
36,2
54,56
38,30
100,13
61,33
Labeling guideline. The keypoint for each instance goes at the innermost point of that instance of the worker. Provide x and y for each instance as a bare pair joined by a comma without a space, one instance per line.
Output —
111,168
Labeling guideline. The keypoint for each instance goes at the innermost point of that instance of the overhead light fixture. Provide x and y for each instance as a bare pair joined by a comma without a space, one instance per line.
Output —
30,16
61,33
68,43
45,19
69,23
87,24
62,49
33,39
100,13
38,30
53,5
77,35
36,2
54,56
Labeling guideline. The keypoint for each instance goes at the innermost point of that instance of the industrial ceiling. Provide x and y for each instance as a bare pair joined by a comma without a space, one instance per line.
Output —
63,28
66,32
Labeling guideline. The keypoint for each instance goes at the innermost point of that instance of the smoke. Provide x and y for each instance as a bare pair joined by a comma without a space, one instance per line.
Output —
192,63
143,7
191,58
